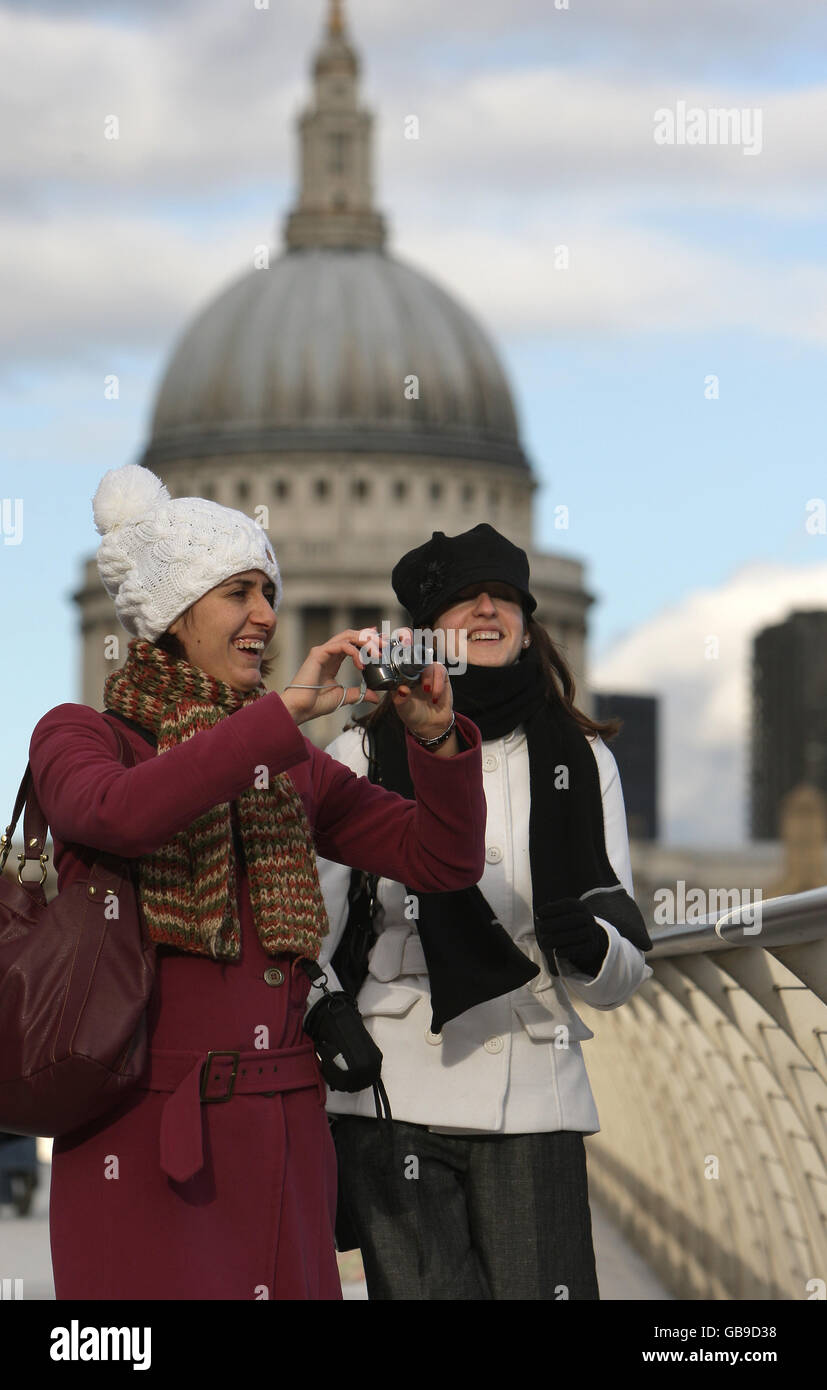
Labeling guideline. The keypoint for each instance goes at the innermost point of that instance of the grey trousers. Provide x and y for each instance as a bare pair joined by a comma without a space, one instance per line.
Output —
467,1217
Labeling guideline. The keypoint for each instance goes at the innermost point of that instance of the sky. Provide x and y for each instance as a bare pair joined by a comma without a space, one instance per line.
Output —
668,382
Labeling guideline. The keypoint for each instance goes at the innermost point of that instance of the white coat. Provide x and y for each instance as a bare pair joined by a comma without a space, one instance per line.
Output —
514,1064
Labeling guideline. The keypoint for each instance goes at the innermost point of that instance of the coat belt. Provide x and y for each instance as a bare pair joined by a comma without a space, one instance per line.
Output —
198,1078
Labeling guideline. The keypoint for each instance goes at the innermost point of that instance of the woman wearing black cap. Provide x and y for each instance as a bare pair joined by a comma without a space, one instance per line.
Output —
478,1189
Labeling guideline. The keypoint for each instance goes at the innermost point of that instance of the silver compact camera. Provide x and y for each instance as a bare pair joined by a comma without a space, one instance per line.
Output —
402,665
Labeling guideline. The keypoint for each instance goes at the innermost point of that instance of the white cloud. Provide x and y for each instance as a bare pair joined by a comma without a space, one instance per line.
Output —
547,127
621,279
705,704
99,287
96,287
512,162
209,103
209,96
673,30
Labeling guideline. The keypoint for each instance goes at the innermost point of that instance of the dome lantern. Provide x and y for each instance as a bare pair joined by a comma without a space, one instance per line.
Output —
335,204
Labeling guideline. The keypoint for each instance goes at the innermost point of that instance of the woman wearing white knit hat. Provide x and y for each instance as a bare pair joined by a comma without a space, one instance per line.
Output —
167,1197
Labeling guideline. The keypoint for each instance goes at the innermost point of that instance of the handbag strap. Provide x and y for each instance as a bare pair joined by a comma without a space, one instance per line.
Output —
35,826
360,878
361,885
374,770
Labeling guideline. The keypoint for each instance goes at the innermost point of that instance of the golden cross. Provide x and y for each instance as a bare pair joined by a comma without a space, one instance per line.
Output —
335,23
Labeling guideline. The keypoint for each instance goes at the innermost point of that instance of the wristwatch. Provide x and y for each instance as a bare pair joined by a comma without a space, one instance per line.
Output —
440,738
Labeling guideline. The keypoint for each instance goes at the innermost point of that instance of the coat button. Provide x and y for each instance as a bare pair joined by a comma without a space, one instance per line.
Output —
493,854
490,761
495,1044
273,976
434,1038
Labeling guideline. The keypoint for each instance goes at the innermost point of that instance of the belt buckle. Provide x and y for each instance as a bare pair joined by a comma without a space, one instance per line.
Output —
205,1076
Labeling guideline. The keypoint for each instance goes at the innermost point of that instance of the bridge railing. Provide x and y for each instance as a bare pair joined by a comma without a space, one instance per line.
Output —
711,1085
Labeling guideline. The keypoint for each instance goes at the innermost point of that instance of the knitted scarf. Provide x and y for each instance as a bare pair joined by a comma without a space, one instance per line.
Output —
470,956
188,886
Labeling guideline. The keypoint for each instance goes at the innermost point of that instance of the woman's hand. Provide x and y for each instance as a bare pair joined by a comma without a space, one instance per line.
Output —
567,926
321,669
426,705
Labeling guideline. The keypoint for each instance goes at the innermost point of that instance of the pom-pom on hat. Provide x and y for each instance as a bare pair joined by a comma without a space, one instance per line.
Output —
426,579
160,554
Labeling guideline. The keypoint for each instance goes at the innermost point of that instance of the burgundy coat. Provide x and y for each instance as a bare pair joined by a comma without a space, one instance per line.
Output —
255,1219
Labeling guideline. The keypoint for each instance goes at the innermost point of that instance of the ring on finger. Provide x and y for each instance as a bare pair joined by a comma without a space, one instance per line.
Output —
362,690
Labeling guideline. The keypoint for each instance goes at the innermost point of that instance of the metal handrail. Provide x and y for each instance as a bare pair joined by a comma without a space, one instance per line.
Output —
715,1069
786,921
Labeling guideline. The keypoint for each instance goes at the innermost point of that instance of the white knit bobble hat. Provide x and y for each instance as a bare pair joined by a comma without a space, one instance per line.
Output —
160,554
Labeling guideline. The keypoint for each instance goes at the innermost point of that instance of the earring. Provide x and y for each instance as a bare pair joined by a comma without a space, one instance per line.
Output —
526,641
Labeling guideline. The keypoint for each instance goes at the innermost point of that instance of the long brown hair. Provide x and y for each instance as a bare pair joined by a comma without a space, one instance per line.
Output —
173,647
556,674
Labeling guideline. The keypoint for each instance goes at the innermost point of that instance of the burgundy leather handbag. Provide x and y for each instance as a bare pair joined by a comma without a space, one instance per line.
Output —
76,975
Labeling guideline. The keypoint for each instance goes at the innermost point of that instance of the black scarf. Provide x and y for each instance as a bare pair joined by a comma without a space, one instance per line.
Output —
470,956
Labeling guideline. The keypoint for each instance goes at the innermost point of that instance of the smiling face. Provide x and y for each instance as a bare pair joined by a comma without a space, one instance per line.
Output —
240,607
492,616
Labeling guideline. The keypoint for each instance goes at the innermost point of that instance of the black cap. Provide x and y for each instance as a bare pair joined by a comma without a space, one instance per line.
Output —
426,579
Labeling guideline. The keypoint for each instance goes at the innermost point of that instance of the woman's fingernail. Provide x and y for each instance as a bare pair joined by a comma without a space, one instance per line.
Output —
427,687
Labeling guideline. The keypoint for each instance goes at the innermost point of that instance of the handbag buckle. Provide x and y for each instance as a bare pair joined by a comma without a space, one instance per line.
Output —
205,1076
44,859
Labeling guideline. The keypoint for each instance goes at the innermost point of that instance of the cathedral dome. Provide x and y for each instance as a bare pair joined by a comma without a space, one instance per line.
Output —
317,352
